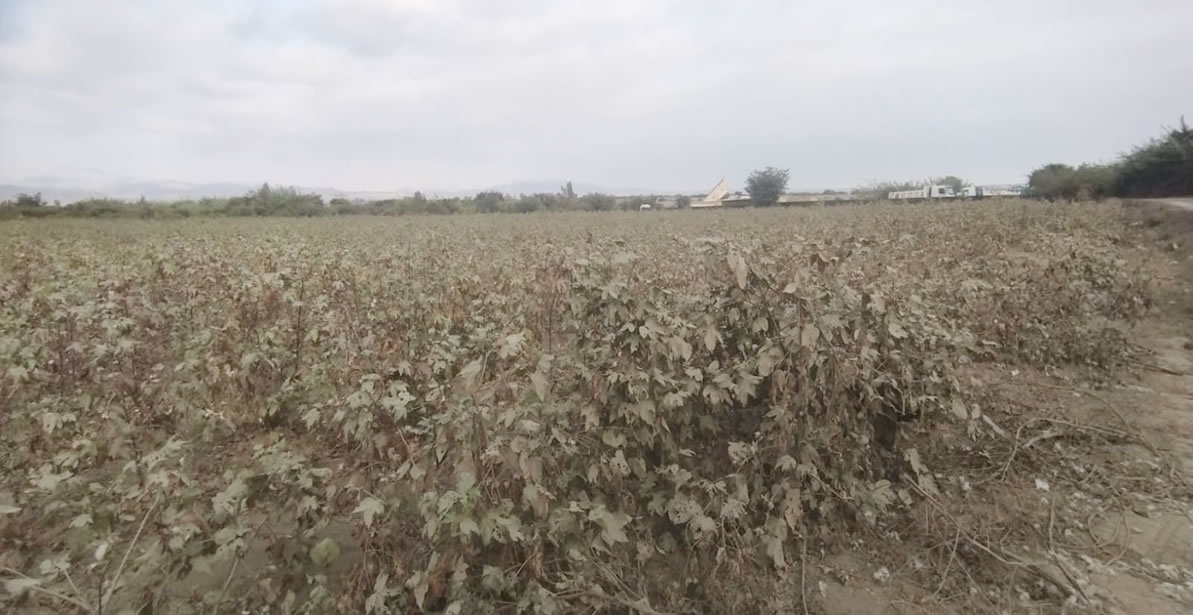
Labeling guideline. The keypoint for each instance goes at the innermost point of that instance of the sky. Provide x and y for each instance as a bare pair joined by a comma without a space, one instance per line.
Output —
659,95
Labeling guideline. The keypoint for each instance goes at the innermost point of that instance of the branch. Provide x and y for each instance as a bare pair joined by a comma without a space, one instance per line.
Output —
107,597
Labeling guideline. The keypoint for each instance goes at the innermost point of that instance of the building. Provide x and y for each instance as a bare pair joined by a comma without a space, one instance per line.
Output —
715,197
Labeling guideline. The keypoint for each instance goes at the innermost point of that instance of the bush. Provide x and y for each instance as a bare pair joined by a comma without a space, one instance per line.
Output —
598,202
1163,167
767,185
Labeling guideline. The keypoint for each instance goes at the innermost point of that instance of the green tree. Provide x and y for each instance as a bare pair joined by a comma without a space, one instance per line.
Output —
1060,181
488,202
598,202
767,185
30,200
683,201
956,183
528,203
878,190
1161,167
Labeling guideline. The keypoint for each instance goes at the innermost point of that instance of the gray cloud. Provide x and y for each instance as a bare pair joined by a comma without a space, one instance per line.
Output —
378,94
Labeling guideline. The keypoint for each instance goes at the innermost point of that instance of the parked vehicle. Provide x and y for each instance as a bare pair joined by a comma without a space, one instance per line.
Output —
937,191
980,192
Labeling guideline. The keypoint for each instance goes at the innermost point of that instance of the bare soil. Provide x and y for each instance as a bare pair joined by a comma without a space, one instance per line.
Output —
1120,540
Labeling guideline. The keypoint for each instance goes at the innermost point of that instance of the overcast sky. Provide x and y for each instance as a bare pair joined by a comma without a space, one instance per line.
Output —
668,95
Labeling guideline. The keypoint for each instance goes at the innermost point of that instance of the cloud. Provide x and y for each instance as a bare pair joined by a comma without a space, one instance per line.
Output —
377,94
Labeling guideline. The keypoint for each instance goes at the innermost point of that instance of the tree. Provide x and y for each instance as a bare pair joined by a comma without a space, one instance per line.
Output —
488,202
1162,167
683,201
598,202
528,203
30,200
766,186
956,183
878,190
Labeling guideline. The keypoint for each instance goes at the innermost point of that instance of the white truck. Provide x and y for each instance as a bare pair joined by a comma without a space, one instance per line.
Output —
980,192
937,191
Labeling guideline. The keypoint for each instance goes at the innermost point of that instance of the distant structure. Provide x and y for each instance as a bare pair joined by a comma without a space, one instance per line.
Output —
715,197
937,191
946,192
977,192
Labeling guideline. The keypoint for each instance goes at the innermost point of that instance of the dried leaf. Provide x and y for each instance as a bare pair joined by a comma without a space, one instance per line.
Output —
541,387
740,270
808,336
20,585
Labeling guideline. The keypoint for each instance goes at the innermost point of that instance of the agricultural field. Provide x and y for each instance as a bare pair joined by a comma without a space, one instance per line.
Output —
867,409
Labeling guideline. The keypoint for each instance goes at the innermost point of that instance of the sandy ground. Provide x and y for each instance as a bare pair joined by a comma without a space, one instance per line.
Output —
1137,558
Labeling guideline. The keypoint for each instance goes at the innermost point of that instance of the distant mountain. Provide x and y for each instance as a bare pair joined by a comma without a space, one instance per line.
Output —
554,185
68,191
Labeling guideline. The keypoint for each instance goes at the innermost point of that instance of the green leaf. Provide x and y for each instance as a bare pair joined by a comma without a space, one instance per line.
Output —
786,463
740,452
793,509
375,603
511,346
370,507
703,524
612,524
959,409
228,500
7,509
469,372
680,348
540,384
325,552
710,338
774,538
468,526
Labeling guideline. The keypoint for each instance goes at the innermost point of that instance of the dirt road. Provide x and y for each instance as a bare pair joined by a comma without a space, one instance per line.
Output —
1183,203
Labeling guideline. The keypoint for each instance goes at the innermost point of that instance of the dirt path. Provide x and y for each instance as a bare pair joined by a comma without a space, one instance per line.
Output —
1183,203
1128,539
1156,538
1153,573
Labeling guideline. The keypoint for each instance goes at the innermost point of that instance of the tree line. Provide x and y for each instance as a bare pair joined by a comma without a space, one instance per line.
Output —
1161,167
291,202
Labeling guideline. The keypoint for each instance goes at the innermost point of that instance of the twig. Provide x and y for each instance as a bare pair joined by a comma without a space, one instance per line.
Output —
803,576
1052,550
948,565
107,597
1160,368
1047,435
1131,428
236,562
78,592
1014,562
228,581
629,604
